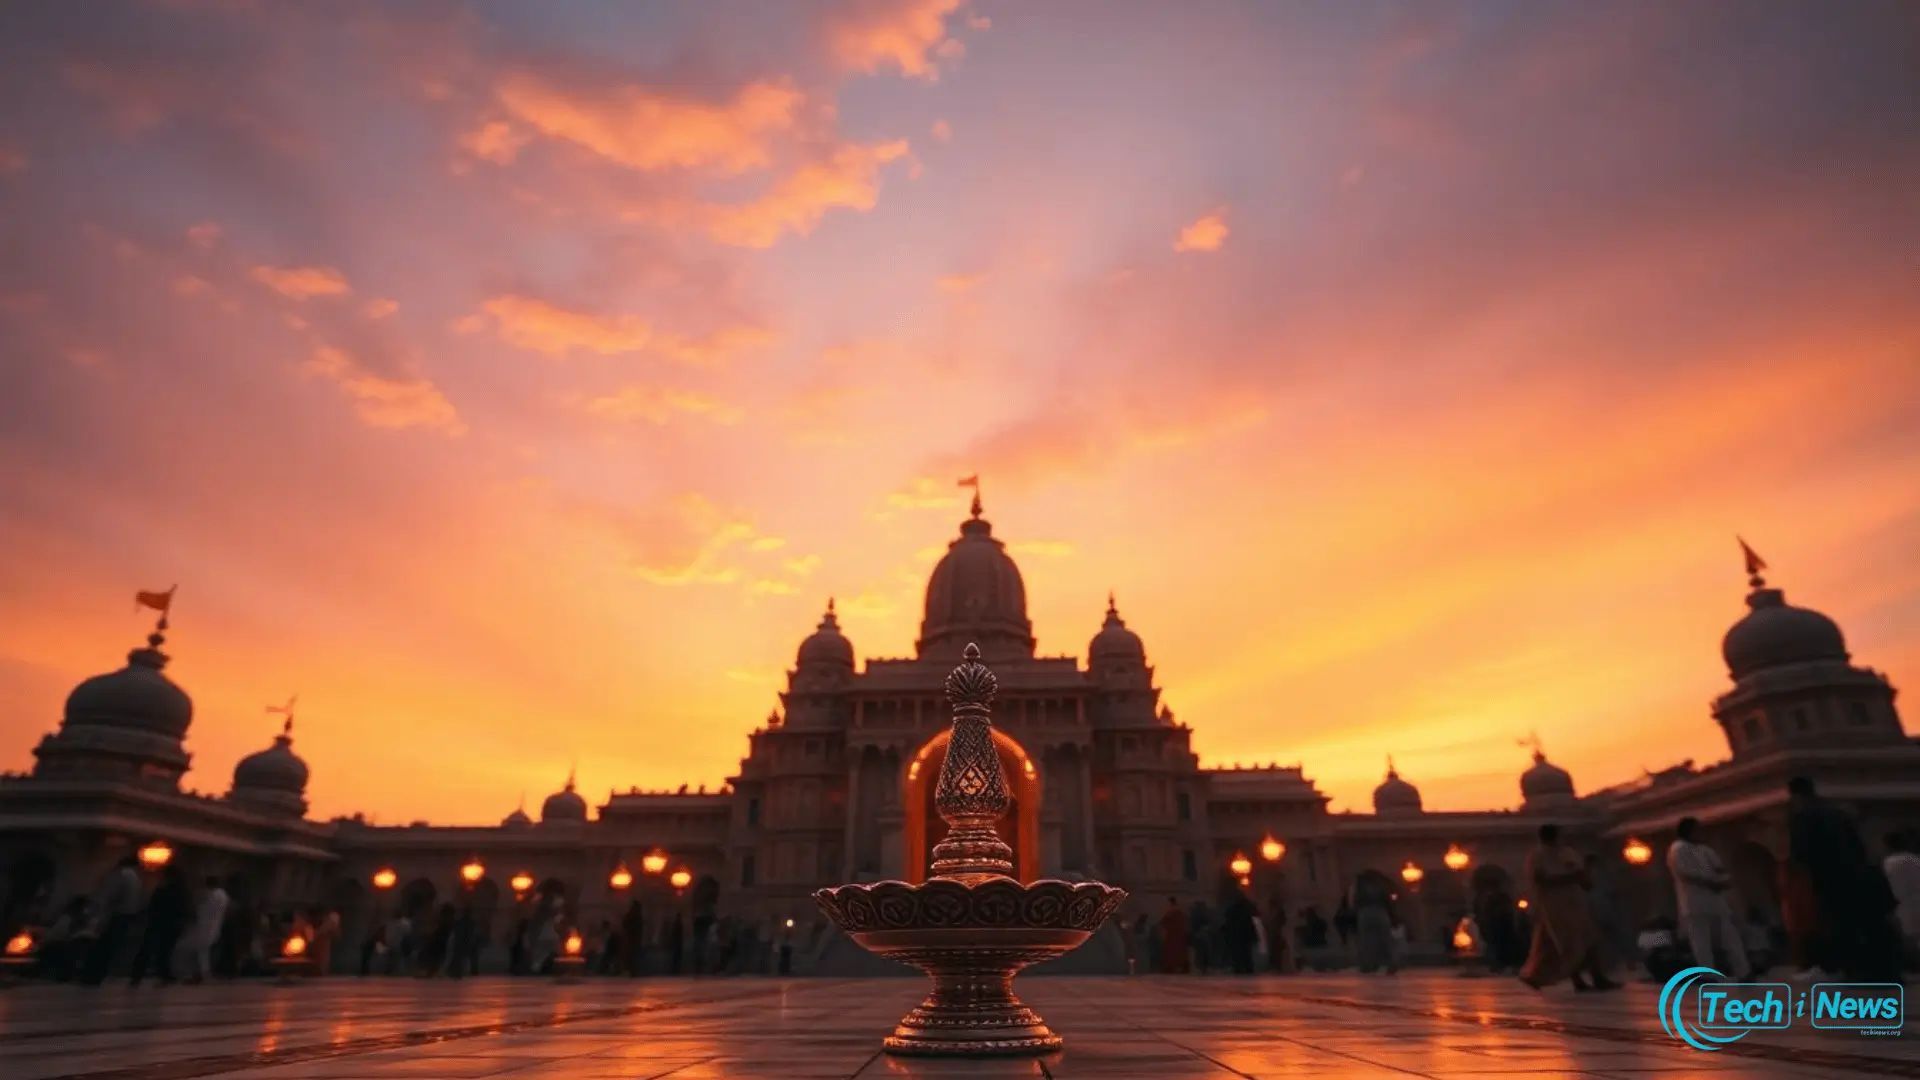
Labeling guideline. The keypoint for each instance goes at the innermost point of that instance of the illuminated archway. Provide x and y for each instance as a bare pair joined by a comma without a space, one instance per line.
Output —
925,828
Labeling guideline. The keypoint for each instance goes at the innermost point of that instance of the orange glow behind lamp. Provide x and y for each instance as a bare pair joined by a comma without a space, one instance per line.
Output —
521,882
654,861
473,871
574,943
384,878
1411,874
1637,852
1457,859
621,878
1271,849
294,946
1241,865
21,943
681,878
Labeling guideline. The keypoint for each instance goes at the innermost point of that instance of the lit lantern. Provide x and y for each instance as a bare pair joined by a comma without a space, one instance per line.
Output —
293,947
680,879
21,943
654,861
1246,883
384,878
1637,852
1411,874
1241,865
1466,939
1456,859
574,943
473,871
789,924
621,878
1462,940
1271,849
1523,903
521,882
156,855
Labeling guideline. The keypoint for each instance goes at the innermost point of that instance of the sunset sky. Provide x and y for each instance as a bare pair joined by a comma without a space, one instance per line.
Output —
515,382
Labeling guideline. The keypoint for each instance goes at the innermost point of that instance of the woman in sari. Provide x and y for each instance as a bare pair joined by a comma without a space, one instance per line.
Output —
1565,942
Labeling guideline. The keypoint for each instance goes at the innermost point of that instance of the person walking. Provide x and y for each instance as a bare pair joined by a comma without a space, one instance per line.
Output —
1372,912
209,917
168,914
1852,931
1565,944
1700,882
119,905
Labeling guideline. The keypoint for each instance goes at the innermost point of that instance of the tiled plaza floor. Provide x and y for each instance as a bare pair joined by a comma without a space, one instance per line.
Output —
1172,1028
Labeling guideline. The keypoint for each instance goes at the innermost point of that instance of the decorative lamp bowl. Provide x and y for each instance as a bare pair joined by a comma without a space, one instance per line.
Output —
971,940
971,927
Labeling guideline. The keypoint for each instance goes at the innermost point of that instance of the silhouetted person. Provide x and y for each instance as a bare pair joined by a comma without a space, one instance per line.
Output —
519,960
1345,922
120,898
702,931
676,936
1173,939
209,918
1500,936
465,943
1902,867
434,956
1372,914
168,913
1237,931
1852,903
1565,943
633,929
1200,930
1700,884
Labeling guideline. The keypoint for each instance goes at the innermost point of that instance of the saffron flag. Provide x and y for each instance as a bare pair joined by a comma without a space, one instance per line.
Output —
971,481
1755,563
161,602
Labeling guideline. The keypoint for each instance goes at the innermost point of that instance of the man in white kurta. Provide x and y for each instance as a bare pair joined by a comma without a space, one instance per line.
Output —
1701,881
1903,874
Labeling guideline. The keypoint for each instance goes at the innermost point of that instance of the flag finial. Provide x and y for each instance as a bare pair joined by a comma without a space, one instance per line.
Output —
286,728
1755,564
974,483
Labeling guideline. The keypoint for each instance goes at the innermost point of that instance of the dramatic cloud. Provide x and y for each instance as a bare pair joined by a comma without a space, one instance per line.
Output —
848,178
657,405
648,130
386,403
302,282
1208,233
546,328
906,36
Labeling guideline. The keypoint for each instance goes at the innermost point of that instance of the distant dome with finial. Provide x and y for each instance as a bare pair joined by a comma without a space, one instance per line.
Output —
519,816
564,805
1114,641
827,645
275,769
1774,633
1394,795
976,595
136,697
1545,781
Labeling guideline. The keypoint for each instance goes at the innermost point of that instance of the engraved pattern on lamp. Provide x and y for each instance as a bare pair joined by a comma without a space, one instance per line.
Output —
972,792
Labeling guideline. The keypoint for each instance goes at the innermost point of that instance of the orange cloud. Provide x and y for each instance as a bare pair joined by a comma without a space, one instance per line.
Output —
649,130
959,283
909,36
657,405
380,308
386,403
1206,234
848,178
302,282
495,140
556,331
690,541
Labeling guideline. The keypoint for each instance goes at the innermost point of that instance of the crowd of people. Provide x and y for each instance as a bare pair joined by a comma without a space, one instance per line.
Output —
1842,915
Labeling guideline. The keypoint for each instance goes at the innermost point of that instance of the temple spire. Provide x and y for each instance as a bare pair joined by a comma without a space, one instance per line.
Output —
286,729
974,483
572,772
1392,773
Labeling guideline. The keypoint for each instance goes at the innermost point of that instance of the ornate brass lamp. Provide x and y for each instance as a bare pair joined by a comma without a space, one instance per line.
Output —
971,927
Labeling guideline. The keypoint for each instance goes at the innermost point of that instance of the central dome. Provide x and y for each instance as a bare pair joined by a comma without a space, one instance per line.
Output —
976,595
1774,633
137,697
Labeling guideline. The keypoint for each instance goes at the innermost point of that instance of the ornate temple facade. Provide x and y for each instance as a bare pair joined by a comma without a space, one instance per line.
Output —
837,787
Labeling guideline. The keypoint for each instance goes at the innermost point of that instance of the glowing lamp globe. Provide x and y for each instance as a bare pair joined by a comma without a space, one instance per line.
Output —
21,943
621,878
1637,852
789,924
1411,874
1523,904
654,861
1457,859
521,881
574,943
294,946
156,855
473,872
680,879
1271,849
384,878
1462,940
1241,865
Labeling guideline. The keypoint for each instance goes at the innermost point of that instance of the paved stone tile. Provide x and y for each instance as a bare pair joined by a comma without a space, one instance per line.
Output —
1323,1027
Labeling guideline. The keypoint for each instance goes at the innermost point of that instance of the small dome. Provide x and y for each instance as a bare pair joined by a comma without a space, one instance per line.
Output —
564,805
827,645
1394,795
516,819
137,697
1545,781
1114,641
1775,633
275,769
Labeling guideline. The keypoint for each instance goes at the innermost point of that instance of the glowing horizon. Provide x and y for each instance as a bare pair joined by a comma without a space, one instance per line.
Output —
516,385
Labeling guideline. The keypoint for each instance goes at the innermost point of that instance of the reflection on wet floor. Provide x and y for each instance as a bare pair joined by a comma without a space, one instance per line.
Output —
1167,1028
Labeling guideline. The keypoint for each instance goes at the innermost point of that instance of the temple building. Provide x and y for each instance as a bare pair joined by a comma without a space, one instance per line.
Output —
837,786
